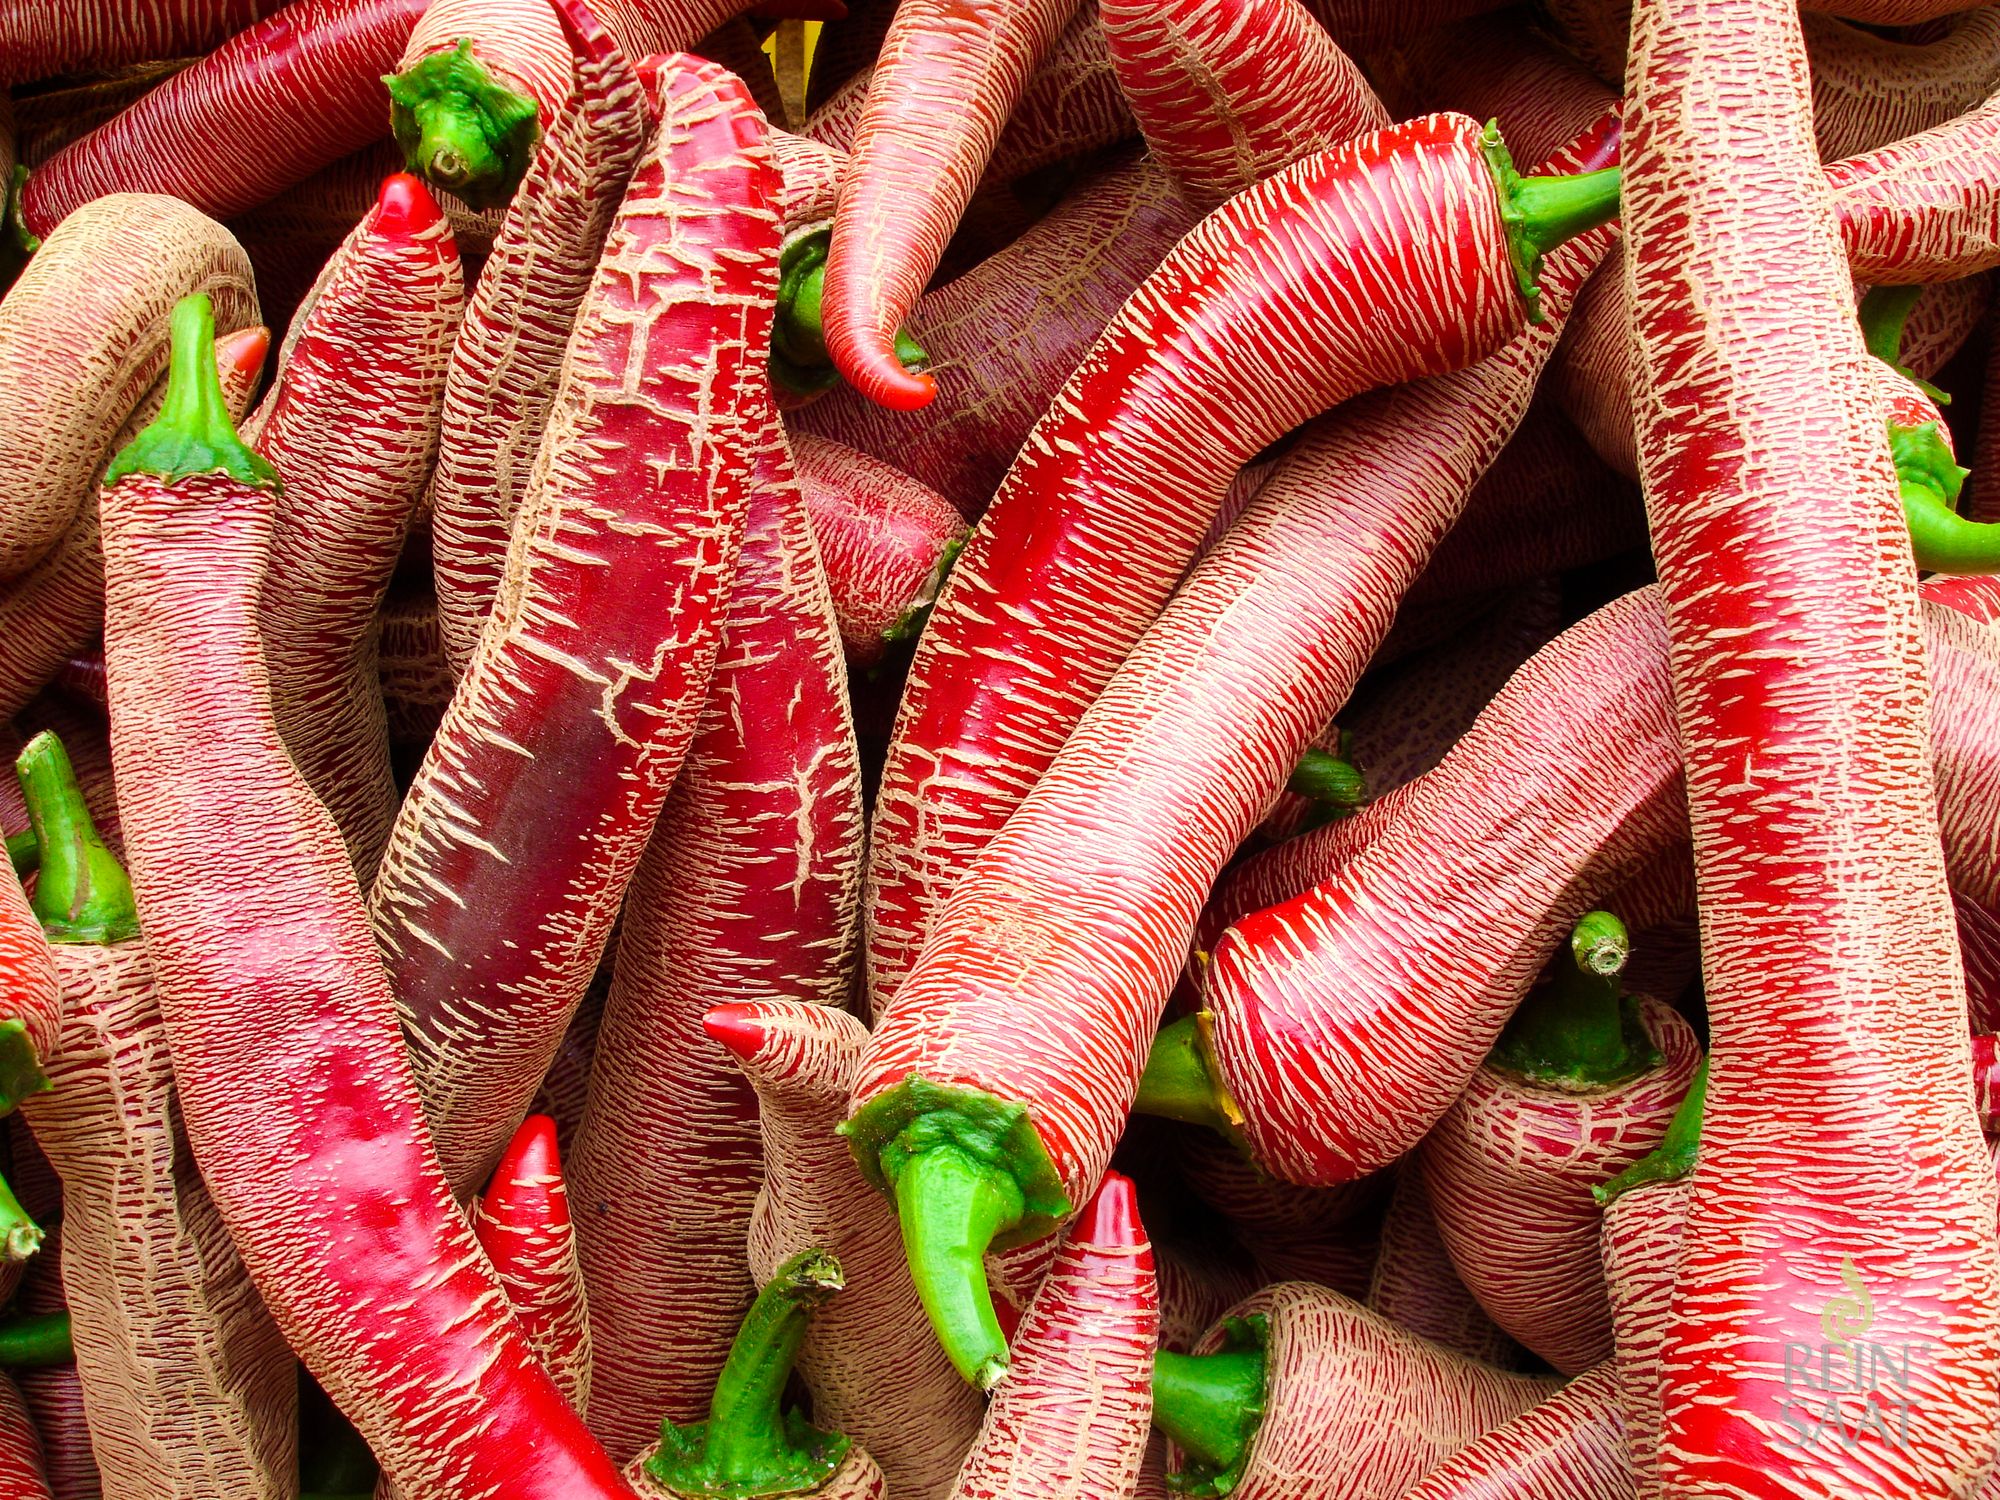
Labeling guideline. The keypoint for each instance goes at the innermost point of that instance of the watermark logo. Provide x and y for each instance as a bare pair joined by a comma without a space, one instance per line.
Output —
1847,1391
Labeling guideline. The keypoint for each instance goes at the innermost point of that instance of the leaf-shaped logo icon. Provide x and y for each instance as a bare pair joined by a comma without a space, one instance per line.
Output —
1845,1318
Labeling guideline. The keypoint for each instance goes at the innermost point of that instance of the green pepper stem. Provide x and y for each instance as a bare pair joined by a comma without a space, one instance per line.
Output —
1674,1157
1211,1405
1943,541
193,433
1180,1084
750,1445
81,895
461,128
32,1342
24,852
1883,314
952,1204
1540,213
20,1236
1579,1030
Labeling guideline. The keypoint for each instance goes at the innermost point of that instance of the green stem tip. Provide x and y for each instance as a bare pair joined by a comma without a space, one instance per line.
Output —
82,894
1210,1406
1541,212
31,1342
800,364
1931,482
193,433
1883,315
1579,1030
20,1236
1181,1082
750,1446
460,128
1331,781
1673,1158
953,1205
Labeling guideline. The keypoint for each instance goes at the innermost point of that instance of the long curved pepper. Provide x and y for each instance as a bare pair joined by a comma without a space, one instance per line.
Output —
751,1446
949,75
295,1083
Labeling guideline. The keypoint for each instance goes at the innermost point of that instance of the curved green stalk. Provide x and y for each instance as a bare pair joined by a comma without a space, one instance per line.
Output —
1211,1405
1541,212
1180,1080
1883,314
193,433
967,1172
24,852
30,1342
750,1446
461,128
800,364
1674,1157
1332,783
1580,1030
1931,481
82,895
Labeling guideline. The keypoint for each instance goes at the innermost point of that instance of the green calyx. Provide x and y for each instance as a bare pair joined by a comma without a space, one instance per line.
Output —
460,128
751,1446
1673,1158
1580,1031
1210,1406
82,894
193,434
967,1173
32,1342
1931,481
800,364
1332,783
910,624
1181,1081
1539,213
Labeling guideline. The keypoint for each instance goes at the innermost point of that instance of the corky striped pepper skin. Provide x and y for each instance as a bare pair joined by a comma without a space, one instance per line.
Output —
294,1085
750,888
1415,1286
505,870
189,1388
1002,338
1071,109
1327,1399
1229,91
523,1223
1378,261
873,1368
949,75
1570,1447
272,105
885,540
80,348
1300,592
1840,1148
21,1473
1072,1420
95,36
504,365
1580,1086
351,428
750,1446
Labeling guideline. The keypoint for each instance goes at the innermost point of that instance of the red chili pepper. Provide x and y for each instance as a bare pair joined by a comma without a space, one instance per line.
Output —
1025,934
96,36
872,1367
599,655
523,1224
950,73
272,105
1079,1400
189,1387
504,367
21,1473
1570,1447
1002,339
751,888
1830,967
1580,1085
1415,1286
351,429
885,540
295,1087
1229,91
